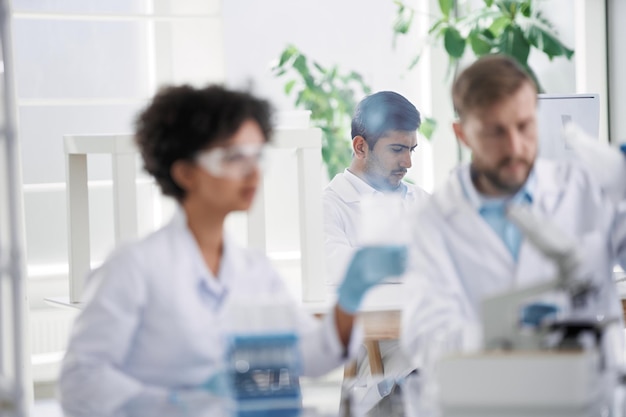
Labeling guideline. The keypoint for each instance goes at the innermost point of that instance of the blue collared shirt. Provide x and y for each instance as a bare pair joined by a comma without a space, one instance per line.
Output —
493,210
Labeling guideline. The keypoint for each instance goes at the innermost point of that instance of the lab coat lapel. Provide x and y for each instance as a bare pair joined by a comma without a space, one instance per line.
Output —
547,195
549,190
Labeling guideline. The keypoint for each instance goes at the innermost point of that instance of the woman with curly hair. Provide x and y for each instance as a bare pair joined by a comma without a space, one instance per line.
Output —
154,319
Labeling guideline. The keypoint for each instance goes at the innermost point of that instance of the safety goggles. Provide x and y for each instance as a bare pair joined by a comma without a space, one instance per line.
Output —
234,162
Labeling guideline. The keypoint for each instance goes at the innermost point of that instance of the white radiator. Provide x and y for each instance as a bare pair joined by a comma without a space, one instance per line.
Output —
49,330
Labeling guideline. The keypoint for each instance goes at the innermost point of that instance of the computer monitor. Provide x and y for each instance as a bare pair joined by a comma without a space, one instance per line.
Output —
557,109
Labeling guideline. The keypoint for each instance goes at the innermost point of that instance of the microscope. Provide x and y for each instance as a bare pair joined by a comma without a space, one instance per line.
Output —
533,363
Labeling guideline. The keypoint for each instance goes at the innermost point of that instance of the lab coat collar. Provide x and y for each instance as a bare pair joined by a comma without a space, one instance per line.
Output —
229,263
456,209
479,201
545,190
351,188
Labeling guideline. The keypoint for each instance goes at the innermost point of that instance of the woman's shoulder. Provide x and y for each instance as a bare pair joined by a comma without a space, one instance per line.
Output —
156,246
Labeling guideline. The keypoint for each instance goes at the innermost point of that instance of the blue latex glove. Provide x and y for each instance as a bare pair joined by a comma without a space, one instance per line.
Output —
212,398
218,384
535,313
369,266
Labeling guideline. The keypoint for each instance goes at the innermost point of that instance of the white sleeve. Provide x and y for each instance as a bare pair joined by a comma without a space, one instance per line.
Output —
438,306
92,382
322,351
339,251
613,213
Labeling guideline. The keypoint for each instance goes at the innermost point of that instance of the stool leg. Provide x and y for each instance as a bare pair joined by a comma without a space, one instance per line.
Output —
375,358
349,370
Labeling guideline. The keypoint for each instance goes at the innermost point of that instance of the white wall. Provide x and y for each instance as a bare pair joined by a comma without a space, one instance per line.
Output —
87,67
353,34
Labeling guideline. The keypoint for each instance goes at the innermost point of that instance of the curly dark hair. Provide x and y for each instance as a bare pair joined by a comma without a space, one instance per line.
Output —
182,121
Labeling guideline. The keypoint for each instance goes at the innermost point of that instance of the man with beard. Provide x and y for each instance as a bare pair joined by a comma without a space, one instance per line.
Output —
466,249
384,135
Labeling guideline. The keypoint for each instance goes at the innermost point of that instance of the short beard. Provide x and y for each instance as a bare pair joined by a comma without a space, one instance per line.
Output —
492,177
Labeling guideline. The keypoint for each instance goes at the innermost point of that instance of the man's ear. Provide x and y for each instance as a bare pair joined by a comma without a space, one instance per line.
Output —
459,133
182,173
360,147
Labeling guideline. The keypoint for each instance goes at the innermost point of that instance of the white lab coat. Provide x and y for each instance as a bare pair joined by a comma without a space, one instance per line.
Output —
342,224
154,320
342,217
458,259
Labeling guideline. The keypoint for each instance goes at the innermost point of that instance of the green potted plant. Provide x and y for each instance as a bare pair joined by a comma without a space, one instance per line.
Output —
331,95
511,27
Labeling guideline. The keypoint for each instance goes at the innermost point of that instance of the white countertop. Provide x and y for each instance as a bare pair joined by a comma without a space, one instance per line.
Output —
383,297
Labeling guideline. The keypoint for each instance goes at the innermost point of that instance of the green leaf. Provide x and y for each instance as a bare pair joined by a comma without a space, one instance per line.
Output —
454,42
488,3
319,67
289,86
428,127
301,66
542,20
415,61
355,76
547,42
481,45
446,6
480,17
280,72
286,55
499,24
509,7
331,98
488,34
525,8
436,26
513,43
403,22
